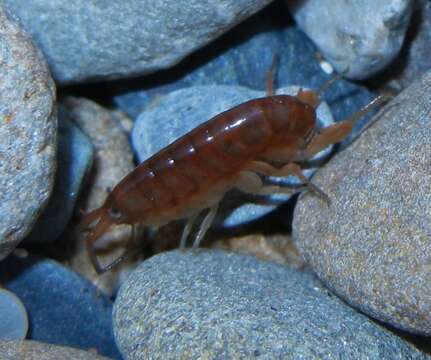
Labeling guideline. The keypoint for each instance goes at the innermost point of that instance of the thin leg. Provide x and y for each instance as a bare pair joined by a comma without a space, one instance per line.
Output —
251,183
186,231
288,169
206,223
339,131
270,76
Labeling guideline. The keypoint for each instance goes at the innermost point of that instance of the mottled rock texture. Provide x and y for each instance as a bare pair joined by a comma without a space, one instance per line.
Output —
28,124
372,246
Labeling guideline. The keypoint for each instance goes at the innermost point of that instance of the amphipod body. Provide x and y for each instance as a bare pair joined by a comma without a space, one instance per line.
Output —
267,136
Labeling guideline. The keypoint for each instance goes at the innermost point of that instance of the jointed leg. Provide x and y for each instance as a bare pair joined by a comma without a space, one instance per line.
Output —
206,223
266,169
186,231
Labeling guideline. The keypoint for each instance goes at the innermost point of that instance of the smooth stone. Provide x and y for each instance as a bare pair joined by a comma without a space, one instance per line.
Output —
13,315
28,133
182,110
113,159
218,305
359,38
74,158
149,36
243,57
64,308
372,246
35,350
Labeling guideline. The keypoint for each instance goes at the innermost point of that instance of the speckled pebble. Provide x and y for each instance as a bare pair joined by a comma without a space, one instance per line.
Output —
180,111
35,350
28,124
113,159
372,246
85,40
359,38
218,305
14,319
74,158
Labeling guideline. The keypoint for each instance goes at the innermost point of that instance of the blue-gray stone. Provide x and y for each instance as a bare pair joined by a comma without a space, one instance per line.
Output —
74,158
243,58
218,305
14,319
64,308
85,40
360,37
180,111
28,134
372,246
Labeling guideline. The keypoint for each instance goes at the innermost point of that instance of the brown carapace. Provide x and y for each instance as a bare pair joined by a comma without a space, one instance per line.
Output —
268,136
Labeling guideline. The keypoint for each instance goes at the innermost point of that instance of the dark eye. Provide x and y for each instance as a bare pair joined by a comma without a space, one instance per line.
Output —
115,213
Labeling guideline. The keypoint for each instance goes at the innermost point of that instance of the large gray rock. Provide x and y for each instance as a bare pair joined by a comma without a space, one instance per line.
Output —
358,37
372,246
35,350
175,114
85,40
28,123
218,305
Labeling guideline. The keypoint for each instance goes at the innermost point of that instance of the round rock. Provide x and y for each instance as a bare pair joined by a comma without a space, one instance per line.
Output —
149,35
218,305
14,319
35,350
28,124
358,37
74,158
180,111
372,246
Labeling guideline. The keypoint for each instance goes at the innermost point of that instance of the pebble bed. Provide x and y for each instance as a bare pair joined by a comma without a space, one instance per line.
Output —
89,90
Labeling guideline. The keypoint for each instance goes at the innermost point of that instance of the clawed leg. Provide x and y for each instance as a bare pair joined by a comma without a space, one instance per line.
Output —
205,225
266,169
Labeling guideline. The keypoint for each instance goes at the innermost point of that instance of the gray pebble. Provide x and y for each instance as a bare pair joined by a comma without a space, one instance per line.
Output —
35,350
74,158
13,315
175,114
372,246
28,124
218,305
359,38
84,40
